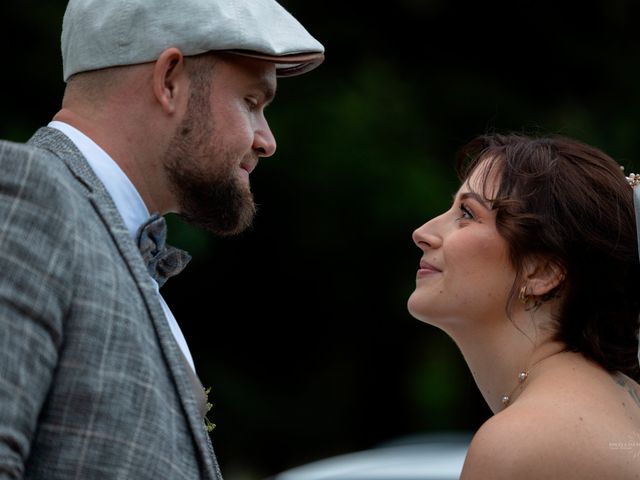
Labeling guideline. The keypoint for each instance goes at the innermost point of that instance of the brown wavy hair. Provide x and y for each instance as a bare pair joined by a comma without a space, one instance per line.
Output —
570,202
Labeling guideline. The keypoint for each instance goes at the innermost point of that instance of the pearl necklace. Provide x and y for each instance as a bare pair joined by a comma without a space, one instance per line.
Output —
522,377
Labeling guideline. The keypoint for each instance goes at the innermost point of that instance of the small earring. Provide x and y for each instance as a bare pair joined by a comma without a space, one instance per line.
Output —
522,296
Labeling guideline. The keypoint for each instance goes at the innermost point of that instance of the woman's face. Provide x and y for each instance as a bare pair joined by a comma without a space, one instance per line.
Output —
465,274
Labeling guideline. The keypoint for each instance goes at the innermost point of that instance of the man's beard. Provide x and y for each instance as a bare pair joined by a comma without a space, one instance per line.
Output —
208,191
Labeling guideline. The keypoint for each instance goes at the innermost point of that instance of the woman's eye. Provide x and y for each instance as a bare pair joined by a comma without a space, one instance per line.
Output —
252,102
465,213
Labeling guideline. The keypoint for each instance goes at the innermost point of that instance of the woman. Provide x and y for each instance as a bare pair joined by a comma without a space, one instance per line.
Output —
534,273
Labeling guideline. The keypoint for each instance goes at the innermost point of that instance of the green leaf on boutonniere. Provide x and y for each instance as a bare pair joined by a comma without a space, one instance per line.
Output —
207,423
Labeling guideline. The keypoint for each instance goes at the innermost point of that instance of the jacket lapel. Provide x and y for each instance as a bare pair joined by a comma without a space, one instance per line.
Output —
183,376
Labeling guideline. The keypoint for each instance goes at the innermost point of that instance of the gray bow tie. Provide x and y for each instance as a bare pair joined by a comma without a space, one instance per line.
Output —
163,261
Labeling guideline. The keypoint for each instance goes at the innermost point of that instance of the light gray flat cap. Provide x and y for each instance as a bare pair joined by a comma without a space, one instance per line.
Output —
107,33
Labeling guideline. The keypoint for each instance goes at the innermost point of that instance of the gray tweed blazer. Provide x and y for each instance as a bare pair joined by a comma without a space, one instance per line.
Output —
92,382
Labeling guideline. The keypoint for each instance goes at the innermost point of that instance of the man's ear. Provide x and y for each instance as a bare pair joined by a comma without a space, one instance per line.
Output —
169,79
542,275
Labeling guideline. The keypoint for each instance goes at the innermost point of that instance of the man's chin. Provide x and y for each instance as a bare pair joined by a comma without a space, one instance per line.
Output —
221,223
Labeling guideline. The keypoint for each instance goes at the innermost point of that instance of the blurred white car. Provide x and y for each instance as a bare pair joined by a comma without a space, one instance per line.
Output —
424,457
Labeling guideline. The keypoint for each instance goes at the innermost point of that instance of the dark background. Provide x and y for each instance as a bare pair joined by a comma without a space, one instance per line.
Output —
300,325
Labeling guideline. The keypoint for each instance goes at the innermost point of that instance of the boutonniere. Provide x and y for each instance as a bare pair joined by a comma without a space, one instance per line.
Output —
207,423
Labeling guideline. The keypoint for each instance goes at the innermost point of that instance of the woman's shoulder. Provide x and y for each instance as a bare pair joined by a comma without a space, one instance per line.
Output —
552,439
511,444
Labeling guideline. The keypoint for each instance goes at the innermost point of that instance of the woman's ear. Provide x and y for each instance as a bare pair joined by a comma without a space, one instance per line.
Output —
542,275
168,79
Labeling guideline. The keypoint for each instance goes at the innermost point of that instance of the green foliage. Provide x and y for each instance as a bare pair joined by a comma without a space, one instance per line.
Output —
208,425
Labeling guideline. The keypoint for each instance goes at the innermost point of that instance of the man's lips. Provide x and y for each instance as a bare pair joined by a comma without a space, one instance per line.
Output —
249,166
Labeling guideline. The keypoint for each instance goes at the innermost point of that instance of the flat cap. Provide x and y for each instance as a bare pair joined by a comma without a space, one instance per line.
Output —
107,33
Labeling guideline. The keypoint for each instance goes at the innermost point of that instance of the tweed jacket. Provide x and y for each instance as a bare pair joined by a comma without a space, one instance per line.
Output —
92,381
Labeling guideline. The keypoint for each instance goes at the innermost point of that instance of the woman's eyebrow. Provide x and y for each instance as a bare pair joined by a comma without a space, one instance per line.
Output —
476,197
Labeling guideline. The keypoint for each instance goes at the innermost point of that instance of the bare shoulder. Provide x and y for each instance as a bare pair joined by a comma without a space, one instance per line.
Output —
545,443
502,448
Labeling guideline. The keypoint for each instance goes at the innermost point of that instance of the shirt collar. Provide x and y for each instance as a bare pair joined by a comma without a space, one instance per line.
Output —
127,199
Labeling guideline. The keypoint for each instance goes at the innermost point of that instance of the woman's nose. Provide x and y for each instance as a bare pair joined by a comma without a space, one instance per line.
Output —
426,236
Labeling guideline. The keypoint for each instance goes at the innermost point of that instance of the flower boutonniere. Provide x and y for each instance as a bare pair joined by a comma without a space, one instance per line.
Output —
207,423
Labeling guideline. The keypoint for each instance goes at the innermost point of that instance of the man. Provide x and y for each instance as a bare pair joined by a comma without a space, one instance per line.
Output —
163,112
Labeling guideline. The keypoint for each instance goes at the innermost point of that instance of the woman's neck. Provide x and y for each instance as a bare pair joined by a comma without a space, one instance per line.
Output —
498,356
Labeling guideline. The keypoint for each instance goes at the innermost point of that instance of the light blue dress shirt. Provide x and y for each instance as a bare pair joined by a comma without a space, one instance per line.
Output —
128,202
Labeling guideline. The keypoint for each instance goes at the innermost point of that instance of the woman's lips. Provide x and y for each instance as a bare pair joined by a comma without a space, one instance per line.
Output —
426,269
